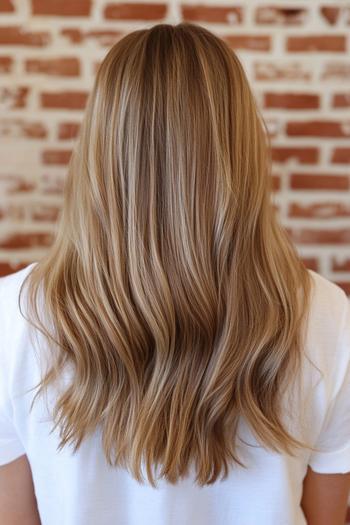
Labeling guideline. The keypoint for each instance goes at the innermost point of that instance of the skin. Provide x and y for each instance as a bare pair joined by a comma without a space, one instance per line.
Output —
324,500
17,498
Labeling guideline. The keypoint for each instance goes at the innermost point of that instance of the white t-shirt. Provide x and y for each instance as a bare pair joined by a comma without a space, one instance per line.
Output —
81,489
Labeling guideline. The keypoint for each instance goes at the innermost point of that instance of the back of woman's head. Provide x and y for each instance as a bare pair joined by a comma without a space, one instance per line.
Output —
170,286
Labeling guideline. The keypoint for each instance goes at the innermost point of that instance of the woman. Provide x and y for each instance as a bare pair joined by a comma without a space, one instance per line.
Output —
175,363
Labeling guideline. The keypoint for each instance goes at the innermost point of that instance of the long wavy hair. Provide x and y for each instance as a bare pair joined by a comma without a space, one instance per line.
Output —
171,288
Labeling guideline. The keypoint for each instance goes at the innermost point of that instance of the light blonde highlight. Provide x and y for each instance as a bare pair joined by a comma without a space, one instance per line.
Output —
171,287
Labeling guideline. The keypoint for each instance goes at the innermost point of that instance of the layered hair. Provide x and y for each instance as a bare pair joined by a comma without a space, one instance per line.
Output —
171,288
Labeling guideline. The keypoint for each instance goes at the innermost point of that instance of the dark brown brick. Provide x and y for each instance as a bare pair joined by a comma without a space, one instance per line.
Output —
304,44
61,7
135,11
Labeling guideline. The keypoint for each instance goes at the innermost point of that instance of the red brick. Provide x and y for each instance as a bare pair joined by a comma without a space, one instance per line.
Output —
42,213
21,128
54,156
281,71
6,6
318,128
14,97
27,240
341,156
23,186
103,37
68,67
6,268
318,181
330,43
341,100
6,64
212,13
276,182
13,212
291,100
62,7
320,210
248,42
303,155
135,11
17,36
336,71
75,35
64,99
311,262
68,130
343,266
318,236
280,15
11,184
330,14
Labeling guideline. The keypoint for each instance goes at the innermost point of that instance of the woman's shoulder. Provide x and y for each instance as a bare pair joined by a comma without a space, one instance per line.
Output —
327,298
328,334
10,303
14,280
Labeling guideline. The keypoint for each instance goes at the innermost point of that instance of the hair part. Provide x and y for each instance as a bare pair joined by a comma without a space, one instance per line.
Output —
171,288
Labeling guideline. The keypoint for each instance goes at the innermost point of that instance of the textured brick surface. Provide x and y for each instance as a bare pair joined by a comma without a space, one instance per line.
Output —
61,7
296,57
66,67
135,11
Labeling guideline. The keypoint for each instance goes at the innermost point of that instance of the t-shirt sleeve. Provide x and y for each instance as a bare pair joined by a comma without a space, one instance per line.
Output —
11,447
334,438
10,444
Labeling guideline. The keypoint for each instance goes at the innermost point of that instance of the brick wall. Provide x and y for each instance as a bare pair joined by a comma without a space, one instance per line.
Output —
296,55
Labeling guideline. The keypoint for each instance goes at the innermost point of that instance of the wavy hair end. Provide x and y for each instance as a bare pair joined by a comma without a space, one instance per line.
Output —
171,288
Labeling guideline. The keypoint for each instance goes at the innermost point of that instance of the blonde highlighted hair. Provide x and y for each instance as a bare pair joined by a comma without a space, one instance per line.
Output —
171,288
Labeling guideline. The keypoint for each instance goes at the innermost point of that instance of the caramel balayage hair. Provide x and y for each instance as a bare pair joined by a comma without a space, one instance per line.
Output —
171,289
